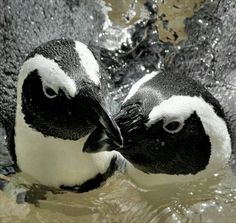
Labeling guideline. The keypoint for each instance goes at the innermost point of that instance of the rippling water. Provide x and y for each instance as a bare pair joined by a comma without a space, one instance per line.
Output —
120,200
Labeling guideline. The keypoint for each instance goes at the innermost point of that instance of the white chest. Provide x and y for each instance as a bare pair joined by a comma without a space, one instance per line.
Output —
53,161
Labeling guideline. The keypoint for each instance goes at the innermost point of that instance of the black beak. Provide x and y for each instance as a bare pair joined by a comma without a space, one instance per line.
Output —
107,132
97,141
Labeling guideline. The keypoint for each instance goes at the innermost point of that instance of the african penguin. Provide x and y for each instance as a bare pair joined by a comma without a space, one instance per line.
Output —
61,98
174,130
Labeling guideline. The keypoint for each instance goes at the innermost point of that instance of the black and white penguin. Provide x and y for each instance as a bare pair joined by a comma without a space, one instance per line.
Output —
61,98
174,130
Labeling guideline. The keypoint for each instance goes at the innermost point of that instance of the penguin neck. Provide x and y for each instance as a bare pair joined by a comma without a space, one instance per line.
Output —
53,161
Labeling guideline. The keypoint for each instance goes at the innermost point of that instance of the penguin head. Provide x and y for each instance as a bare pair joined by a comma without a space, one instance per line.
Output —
182,135
62,92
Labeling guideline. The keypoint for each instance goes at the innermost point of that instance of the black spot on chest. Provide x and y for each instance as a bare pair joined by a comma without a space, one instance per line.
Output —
97,181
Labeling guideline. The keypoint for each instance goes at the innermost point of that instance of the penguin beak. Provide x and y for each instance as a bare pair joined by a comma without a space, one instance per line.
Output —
102,139
107,131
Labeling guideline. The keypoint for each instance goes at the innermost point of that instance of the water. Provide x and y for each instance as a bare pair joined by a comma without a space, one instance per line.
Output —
209,32
119,200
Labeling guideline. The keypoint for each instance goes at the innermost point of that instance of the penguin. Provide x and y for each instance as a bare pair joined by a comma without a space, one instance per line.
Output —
21,34
61,97
174,131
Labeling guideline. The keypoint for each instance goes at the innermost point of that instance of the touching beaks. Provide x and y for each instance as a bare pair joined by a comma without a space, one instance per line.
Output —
96,142
105,136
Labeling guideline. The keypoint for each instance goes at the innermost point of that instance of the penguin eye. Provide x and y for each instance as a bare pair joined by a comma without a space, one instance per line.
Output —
173,126
49,92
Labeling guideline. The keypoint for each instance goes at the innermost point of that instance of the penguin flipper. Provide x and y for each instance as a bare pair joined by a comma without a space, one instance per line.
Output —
6,161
